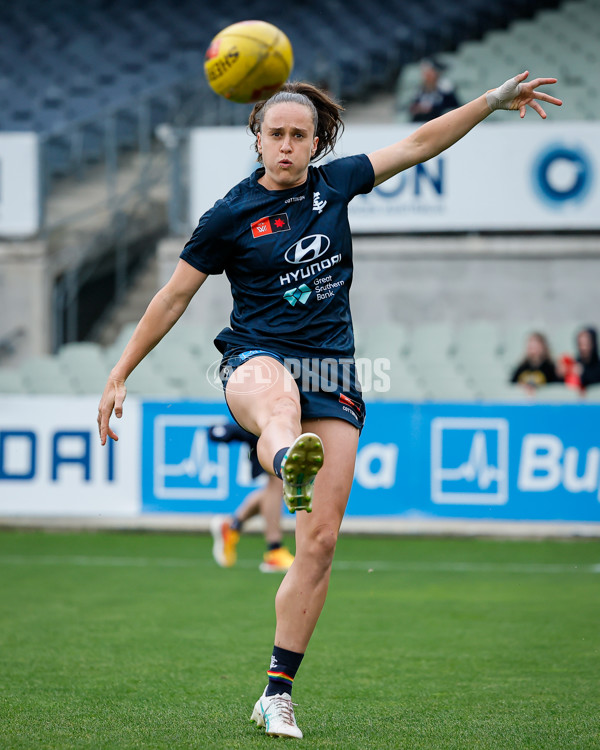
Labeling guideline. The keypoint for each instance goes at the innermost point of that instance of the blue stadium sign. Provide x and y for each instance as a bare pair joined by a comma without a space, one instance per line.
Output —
472,461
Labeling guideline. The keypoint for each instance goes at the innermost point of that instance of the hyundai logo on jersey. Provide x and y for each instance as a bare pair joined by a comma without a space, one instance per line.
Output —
307,249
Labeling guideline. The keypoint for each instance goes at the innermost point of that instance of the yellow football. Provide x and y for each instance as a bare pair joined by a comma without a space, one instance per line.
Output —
248,61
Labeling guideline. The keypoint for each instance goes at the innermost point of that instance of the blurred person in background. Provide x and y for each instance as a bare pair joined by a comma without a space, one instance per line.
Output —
265,501
584,368
537,367
435,96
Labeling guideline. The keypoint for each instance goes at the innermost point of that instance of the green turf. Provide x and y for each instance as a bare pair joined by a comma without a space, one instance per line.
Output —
137,641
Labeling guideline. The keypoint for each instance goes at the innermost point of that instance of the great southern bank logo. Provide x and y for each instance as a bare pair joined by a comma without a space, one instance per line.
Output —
562,174
469,461
301,294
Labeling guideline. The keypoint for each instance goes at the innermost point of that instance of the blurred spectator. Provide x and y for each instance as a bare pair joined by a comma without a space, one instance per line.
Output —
537,367
435,96
584,370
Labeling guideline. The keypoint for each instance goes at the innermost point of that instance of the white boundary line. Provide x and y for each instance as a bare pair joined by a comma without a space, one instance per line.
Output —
193,523
366,566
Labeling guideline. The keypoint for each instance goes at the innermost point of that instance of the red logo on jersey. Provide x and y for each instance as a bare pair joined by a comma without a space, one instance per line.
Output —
270,224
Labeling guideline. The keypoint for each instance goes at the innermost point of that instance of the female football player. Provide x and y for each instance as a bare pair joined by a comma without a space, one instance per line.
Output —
282,236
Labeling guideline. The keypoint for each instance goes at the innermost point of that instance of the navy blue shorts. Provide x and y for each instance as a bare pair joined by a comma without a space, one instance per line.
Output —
328,386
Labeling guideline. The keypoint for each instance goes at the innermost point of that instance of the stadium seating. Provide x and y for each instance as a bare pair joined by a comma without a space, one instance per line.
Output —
384,339
11,382
148,382
592,393
562,42
477,344
84,357
401,389
87,366
431,361
46,375
508,393
75,72
553,392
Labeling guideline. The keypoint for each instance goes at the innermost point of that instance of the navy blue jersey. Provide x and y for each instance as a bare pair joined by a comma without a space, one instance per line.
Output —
288,257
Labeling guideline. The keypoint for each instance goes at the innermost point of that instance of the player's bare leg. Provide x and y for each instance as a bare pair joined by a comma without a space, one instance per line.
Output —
263,397
302,593
264,400
251,505
226,530
270,509
277,558
266,502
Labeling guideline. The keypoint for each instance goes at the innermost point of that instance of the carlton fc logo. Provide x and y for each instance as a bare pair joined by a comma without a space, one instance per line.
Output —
308,249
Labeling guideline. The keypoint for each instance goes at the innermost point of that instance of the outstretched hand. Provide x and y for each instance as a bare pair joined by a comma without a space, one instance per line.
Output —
517,93
112,400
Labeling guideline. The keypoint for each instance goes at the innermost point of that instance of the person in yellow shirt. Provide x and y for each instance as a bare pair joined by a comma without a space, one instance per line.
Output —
537,366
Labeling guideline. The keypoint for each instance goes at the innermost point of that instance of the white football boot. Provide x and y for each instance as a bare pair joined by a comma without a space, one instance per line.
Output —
276,714
299,468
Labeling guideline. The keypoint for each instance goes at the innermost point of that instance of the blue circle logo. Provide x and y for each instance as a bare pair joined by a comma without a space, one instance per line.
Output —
562,174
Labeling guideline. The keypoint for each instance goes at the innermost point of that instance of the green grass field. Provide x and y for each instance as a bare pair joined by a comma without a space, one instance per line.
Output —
138,641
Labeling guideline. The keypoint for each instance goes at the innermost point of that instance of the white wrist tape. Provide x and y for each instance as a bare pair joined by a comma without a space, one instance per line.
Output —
502,97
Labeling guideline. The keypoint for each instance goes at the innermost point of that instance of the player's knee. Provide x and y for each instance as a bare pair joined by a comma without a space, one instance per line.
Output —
285,407
321,545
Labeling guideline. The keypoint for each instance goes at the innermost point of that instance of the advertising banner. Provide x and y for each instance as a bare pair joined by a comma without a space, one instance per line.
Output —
479,461
182,469
525,175
52,463
19,185
493,462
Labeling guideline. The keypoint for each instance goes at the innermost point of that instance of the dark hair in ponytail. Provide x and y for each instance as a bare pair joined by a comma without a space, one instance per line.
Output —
325,111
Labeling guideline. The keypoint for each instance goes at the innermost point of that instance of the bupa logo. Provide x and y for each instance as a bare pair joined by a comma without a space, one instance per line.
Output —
308,249
546,464
469,461
562,174
377,466
187,465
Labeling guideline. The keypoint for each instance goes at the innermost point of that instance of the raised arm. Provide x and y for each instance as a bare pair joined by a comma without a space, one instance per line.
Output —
164,310
437,135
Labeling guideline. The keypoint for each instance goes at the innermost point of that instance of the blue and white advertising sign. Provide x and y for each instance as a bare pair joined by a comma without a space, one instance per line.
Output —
484,461
481,461
425,460
501,176
524,175
182,469
52,462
